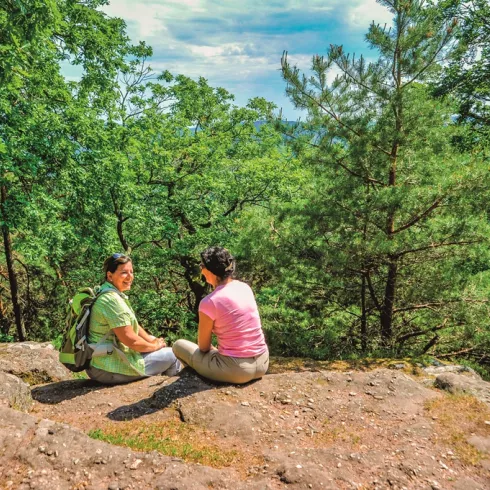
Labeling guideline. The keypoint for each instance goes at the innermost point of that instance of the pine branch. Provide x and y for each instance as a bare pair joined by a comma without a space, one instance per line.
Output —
372,292
430,344
420,216
459,352
439,303
329,111
418,307
430,62
437,245
366,178
418,333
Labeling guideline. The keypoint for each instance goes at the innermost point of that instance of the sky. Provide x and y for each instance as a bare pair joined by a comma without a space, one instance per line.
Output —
238,44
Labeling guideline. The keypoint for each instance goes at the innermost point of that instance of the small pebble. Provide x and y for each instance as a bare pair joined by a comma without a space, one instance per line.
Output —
135,465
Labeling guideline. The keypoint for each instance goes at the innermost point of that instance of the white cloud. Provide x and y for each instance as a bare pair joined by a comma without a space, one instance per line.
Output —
142,18
238,45
366,11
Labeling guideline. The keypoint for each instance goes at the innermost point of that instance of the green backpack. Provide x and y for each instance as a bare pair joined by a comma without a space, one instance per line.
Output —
76,352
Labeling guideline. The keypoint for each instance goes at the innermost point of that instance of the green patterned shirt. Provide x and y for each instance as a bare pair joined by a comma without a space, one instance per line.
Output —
112,310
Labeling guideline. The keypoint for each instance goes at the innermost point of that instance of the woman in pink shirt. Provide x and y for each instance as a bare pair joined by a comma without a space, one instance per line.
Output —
230,312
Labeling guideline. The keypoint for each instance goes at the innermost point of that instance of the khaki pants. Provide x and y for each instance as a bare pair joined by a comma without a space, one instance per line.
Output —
162,361
215,366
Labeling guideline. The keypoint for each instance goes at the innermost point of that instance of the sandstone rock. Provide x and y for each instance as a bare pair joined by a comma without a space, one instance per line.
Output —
379,440
450,368
459,383
33,362
71,458
305,476
480,443
467,484
14,392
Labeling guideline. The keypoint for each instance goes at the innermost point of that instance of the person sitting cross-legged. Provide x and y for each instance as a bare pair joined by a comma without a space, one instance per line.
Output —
230,312
129,352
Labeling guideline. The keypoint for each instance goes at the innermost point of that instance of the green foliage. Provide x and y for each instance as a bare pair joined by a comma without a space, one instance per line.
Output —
366,233
155,165
379,252
468,72
6,337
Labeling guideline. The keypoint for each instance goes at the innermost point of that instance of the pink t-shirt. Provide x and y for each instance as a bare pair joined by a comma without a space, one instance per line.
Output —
236,320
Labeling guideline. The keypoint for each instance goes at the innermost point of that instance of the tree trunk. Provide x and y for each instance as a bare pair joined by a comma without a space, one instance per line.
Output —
386,316
14,289
198,289
389,300
363,315
120,232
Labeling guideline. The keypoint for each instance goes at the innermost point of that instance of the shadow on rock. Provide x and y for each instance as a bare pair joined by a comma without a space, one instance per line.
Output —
187,383
55,393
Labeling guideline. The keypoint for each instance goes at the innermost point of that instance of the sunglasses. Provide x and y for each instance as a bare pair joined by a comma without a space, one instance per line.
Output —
117,256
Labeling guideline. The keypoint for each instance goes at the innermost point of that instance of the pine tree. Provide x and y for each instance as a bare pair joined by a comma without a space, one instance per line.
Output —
467,75
394,209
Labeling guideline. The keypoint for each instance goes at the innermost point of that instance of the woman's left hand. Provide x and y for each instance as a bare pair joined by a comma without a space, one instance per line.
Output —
159,341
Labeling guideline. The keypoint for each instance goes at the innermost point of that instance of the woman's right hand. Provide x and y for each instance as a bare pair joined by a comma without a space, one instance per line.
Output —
132,340
159,344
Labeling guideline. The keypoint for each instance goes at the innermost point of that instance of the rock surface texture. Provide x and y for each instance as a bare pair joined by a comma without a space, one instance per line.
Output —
461,383
323,429
33,362
14,392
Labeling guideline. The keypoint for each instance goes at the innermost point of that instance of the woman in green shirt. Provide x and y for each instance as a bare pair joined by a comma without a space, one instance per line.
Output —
129,352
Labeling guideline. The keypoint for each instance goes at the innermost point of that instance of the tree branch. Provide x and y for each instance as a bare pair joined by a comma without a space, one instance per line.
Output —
420,216
420,332
436,245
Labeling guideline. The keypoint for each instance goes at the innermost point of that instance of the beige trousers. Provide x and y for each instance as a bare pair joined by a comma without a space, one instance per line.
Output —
215,366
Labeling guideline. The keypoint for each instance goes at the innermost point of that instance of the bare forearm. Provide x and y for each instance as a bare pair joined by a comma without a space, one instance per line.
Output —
204,332
141,345
130,339
145,335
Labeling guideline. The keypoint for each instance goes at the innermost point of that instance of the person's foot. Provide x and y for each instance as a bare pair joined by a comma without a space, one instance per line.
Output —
175,368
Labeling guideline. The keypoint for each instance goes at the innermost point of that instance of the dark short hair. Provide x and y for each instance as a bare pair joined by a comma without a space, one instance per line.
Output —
114,261
219,261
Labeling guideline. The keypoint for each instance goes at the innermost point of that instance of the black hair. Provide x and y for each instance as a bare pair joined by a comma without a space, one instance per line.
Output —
114,261
219,261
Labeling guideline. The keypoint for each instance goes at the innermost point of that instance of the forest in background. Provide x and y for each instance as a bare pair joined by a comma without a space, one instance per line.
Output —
363,229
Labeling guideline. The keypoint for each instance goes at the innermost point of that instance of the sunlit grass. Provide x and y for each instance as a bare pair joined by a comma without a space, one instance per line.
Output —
287,364
457,416
332,433
171,438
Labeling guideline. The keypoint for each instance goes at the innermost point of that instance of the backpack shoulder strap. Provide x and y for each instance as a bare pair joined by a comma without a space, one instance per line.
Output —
99,292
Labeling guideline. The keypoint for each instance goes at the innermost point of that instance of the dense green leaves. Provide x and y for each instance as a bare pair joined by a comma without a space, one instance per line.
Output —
395,208
363,228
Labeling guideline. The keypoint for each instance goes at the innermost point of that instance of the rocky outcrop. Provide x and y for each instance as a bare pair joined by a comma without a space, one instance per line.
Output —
14,392
449,368
460,383
46,455
379,429
33,362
